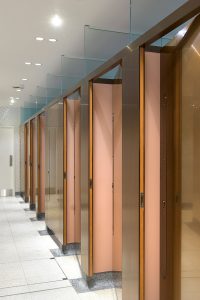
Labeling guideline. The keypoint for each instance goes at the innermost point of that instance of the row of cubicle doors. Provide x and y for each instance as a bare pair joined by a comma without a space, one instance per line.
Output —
119,181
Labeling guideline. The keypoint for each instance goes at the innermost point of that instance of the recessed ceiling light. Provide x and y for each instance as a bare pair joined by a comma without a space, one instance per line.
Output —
56,21
27,63
24,79
38,38
38,64
17,98
12,101
18,90
52,40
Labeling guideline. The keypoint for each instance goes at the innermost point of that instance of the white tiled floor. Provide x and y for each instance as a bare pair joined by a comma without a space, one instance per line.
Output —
27,271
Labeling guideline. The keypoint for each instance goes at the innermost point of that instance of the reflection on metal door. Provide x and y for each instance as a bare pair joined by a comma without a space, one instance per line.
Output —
6,160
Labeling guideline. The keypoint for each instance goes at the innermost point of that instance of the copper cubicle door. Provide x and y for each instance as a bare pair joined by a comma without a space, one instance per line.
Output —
33,163
22,161
107,176
72,210
40,204
54,170
26,162
151,222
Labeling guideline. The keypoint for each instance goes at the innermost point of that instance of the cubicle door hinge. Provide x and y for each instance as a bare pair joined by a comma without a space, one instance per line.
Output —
142,200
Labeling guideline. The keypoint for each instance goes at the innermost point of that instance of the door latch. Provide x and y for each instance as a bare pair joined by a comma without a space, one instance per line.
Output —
142,200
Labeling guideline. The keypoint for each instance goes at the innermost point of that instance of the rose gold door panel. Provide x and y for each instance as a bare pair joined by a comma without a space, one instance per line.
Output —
152,176
102,178
77,196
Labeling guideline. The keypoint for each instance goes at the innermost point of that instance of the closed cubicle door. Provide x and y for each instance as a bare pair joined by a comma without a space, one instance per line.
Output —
40,204
54,169
22,164
33,163
107,177
27,161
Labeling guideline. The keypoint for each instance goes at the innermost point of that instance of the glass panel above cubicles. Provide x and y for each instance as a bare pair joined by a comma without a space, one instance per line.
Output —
41,98
145,14
53,87
103,44
75,69
29,108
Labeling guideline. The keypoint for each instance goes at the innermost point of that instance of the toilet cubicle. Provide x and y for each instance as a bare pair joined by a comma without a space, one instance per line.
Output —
110,175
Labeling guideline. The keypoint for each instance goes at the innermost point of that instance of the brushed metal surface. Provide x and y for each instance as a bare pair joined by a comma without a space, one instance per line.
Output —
84,180
130,176
54,169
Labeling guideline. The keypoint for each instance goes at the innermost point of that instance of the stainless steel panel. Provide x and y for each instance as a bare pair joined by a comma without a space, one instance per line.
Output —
130,176
84,180
54,169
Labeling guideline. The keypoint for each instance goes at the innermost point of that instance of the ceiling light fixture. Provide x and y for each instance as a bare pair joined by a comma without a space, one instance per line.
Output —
38,64
28,63
12,101
17,98
24,79
18,90
52,40
56,21
38,38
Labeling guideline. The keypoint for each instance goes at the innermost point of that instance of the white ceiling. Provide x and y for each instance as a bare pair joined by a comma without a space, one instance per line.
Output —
22,20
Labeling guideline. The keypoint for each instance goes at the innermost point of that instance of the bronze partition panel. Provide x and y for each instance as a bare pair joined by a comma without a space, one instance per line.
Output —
54,169
26,162
130,175
33,162
41,163
72,169
85,247
22,160
35,158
